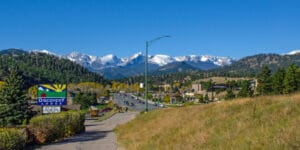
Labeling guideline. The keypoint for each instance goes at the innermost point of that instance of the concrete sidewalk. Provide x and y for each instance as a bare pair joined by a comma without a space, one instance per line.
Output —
98,135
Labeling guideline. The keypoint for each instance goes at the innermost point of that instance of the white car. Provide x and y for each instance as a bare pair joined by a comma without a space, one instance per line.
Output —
162,105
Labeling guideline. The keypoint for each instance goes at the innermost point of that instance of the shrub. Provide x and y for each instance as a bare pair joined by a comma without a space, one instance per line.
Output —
12,138
52,127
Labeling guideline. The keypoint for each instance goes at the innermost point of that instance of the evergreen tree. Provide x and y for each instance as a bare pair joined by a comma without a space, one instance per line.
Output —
206,98
85,100
201,98
246,90
264,81
229,94
278,81
14,107
291,80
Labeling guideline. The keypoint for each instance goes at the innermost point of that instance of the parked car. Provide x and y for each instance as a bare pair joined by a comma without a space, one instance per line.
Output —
162,105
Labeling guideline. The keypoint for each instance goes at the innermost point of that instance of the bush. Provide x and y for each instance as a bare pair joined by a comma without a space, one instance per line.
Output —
12,138
52,127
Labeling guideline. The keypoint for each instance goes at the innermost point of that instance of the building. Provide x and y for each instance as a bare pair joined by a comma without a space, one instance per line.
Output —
166,87
197,88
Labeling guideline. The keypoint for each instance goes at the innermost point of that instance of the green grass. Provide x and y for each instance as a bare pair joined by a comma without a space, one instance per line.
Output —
270,122
107,115
101,106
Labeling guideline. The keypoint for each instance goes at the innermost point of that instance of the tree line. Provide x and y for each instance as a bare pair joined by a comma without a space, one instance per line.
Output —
43,68
282,81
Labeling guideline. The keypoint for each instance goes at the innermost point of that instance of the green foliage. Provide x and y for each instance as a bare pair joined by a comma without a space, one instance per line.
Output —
277,81
264,81
43,68
52,127
291,80
200,98
229,95
206,98
14,107
12,138
106,93
167,98
246,90
85,100
150,96
1,84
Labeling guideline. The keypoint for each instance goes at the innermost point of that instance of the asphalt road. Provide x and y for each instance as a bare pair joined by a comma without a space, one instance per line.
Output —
126,99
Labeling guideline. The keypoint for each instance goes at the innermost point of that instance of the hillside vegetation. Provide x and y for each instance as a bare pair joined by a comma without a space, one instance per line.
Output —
269,122
44,68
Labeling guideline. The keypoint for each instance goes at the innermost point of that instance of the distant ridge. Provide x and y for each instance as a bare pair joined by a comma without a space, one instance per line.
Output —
44,68
113,67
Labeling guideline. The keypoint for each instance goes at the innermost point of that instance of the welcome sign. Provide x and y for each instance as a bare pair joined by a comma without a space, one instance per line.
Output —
52,94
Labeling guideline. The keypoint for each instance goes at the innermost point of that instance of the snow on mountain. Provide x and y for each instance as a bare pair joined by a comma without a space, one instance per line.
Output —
293,52
219,61
81,58
161,60
110,60
134,59
43,51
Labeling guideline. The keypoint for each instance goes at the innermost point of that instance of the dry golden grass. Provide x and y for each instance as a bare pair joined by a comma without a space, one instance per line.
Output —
270,122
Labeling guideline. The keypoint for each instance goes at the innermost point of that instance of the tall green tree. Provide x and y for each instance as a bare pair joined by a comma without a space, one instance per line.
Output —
14,107
229,95
291,80
246,90
264,81
85,100
278,81
206,98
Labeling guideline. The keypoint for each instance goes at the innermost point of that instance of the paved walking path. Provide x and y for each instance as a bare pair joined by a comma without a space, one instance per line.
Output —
98,135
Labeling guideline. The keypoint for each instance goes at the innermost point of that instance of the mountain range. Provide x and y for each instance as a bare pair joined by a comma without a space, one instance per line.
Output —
113,67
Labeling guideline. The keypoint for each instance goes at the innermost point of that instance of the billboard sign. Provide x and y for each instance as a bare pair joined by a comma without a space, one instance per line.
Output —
51,109
52,94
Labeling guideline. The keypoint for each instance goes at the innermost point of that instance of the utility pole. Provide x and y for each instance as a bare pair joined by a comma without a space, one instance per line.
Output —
148,43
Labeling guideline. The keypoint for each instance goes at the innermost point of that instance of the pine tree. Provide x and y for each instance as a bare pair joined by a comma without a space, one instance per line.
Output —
246,90
278,81
291,80
206,98
14,107
264,81
201,98
229,94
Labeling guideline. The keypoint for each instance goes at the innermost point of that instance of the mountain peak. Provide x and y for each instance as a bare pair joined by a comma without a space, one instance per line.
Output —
44,51
136,55
293,52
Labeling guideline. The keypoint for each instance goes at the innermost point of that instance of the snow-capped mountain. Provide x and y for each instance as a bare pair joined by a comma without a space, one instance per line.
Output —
43,51
161,60
134,65
293,52
219,61
111,60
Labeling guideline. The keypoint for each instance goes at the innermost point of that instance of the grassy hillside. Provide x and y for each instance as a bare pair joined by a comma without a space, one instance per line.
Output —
271,122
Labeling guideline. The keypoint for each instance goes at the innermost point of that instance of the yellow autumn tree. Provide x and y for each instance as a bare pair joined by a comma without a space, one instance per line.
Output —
1,84
32,91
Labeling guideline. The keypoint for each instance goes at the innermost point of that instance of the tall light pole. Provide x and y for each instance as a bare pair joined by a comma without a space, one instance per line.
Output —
148,43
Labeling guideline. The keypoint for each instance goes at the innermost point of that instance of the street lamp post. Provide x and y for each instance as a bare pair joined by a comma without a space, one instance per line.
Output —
148,43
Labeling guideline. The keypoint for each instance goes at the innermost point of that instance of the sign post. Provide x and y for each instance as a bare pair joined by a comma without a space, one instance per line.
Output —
51,97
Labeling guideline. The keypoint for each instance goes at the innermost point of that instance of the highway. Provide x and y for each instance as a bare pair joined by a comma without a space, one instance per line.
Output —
126,99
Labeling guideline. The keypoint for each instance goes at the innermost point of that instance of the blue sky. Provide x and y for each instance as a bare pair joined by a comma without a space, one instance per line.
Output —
234,28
